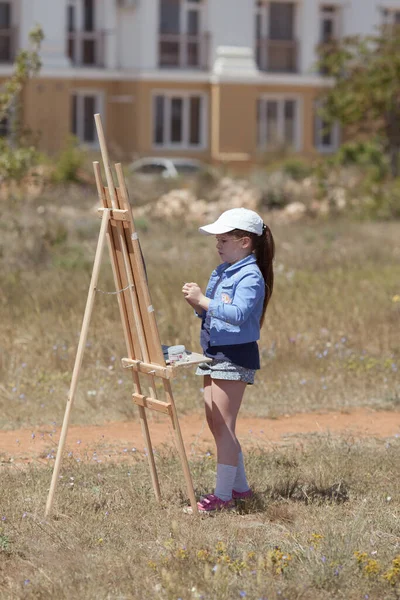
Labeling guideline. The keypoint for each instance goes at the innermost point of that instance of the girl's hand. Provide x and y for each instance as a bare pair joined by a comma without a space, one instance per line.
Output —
194,296
192,292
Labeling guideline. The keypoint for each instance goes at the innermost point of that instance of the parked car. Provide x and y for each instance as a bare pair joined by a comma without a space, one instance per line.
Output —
168,168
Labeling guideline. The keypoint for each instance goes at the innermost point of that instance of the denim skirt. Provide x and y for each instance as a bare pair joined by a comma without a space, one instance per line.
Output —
224,369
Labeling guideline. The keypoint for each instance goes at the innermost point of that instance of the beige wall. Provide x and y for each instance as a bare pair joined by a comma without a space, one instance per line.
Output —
232,115
46,112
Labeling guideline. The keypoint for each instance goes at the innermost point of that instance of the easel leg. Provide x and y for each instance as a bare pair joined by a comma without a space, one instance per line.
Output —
147,439
181,447
79,356
150,454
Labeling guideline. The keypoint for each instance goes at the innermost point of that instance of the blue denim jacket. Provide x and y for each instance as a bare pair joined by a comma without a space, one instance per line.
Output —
237,293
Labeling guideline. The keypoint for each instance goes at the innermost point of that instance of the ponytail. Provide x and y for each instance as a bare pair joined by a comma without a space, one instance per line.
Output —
264,250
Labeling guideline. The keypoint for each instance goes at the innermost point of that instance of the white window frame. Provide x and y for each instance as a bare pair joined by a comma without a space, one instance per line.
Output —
264,12
80,93
318,134
388,14
186,7
334,16
299,111
185,96
78,4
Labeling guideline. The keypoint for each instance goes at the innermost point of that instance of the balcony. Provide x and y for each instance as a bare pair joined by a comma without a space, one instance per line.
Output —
183,51
277,56
86,48
8,45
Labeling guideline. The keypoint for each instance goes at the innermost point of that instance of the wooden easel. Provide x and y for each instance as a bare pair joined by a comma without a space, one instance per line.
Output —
145,353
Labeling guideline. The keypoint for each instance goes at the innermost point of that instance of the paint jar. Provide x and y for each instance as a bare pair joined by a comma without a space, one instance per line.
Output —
176,353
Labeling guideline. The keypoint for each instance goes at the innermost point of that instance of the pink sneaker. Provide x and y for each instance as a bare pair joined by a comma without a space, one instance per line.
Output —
242,495
211,502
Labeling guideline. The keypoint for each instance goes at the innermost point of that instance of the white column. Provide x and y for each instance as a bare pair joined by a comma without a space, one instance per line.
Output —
309,34
108,24
231,23
52,17
147,17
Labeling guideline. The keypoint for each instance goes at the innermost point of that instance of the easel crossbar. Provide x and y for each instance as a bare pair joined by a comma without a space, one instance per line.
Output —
152,403
116,214
148,369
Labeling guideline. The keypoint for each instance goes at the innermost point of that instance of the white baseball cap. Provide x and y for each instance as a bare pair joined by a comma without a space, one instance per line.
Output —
235,218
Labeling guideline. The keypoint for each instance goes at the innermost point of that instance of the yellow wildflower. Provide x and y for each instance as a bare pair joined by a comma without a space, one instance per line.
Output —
203,554
315,540
372,567
392,575
182,553
220,547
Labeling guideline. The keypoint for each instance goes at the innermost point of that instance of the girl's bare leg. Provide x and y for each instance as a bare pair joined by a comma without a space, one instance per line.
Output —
208,402
226,399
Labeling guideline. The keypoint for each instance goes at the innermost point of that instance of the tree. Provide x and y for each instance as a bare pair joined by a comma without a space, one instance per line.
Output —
16,156
365,96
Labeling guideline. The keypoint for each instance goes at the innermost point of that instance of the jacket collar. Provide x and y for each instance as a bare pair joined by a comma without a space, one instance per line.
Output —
248,260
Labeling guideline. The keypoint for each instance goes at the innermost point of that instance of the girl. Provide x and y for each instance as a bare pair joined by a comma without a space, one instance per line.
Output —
232,312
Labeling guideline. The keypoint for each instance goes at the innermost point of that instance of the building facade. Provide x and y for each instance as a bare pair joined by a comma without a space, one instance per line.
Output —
219,80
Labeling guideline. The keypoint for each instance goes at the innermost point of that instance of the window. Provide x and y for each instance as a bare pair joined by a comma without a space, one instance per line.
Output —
88,15
276,45
182,41
329,24
85,43
391,18
281,21
5,32
179,120
326,135
278,122
84,106
170,16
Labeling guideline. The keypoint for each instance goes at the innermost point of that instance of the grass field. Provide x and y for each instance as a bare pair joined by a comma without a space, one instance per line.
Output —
330,340
325,522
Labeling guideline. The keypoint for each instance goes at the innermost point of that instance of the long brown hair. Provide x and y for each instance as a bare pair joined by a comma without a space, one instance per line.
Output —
264,249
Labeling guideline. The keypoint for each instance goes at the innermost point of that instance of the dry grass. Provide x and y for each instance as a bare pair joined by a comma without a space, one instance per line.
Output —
325,521
109,539
330,340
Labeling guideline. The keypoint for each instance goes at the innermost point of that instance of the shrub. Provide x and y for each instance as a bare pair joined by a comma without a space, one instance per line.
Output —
16,162
69,162
368,154
297,169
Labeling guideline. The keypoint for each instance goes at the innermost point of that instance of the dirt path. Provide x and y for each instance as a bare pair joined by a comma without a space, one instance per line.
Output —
116,441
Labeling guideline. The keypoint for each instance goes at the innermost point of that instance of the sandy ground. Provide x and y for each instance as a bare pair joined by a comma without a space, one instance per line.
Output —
117,441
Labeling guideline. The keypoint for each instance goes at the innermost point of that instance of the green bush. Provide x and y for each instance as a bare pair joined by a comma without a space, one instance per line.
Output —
16,162
297,169
386,201
69,162
368,154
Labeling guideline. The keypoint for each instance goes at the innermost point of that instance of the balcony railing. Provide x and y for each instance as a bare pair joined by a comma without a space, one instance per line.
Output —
277,56
183,51
8,45
86,48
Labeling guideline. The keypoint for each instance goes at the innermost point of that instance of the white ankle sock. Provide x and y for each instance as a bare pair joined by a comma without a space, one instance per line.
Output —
225,477
240,484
